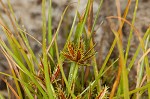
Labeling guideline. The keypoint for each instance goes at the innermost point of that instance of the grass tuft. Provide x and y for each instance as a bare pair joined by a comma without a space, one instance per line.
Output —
73,72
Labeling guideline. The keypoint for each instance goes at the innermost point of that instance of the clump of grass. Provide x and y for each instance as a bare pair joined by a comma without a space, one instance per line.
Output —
45,76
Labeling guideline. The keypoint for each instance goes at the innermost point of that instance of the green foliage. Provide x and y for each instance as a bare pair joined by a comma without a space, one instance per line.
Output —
49,76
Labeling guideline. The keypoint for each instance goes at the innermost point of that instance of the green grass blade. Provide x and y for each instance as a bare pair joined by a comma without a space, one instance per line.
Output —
23,35
131,31
145,87
97,15
81,24
50,27
22,67
124,70
138,50
60,63
45,63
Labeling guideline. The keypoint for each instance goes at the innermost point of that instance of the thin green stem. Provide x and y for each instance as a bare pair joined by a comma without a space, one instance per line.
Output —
45,63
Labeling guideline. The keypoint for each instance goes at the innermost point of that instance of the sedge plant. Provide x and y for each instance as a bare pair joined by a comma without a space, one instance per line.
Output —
46,76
